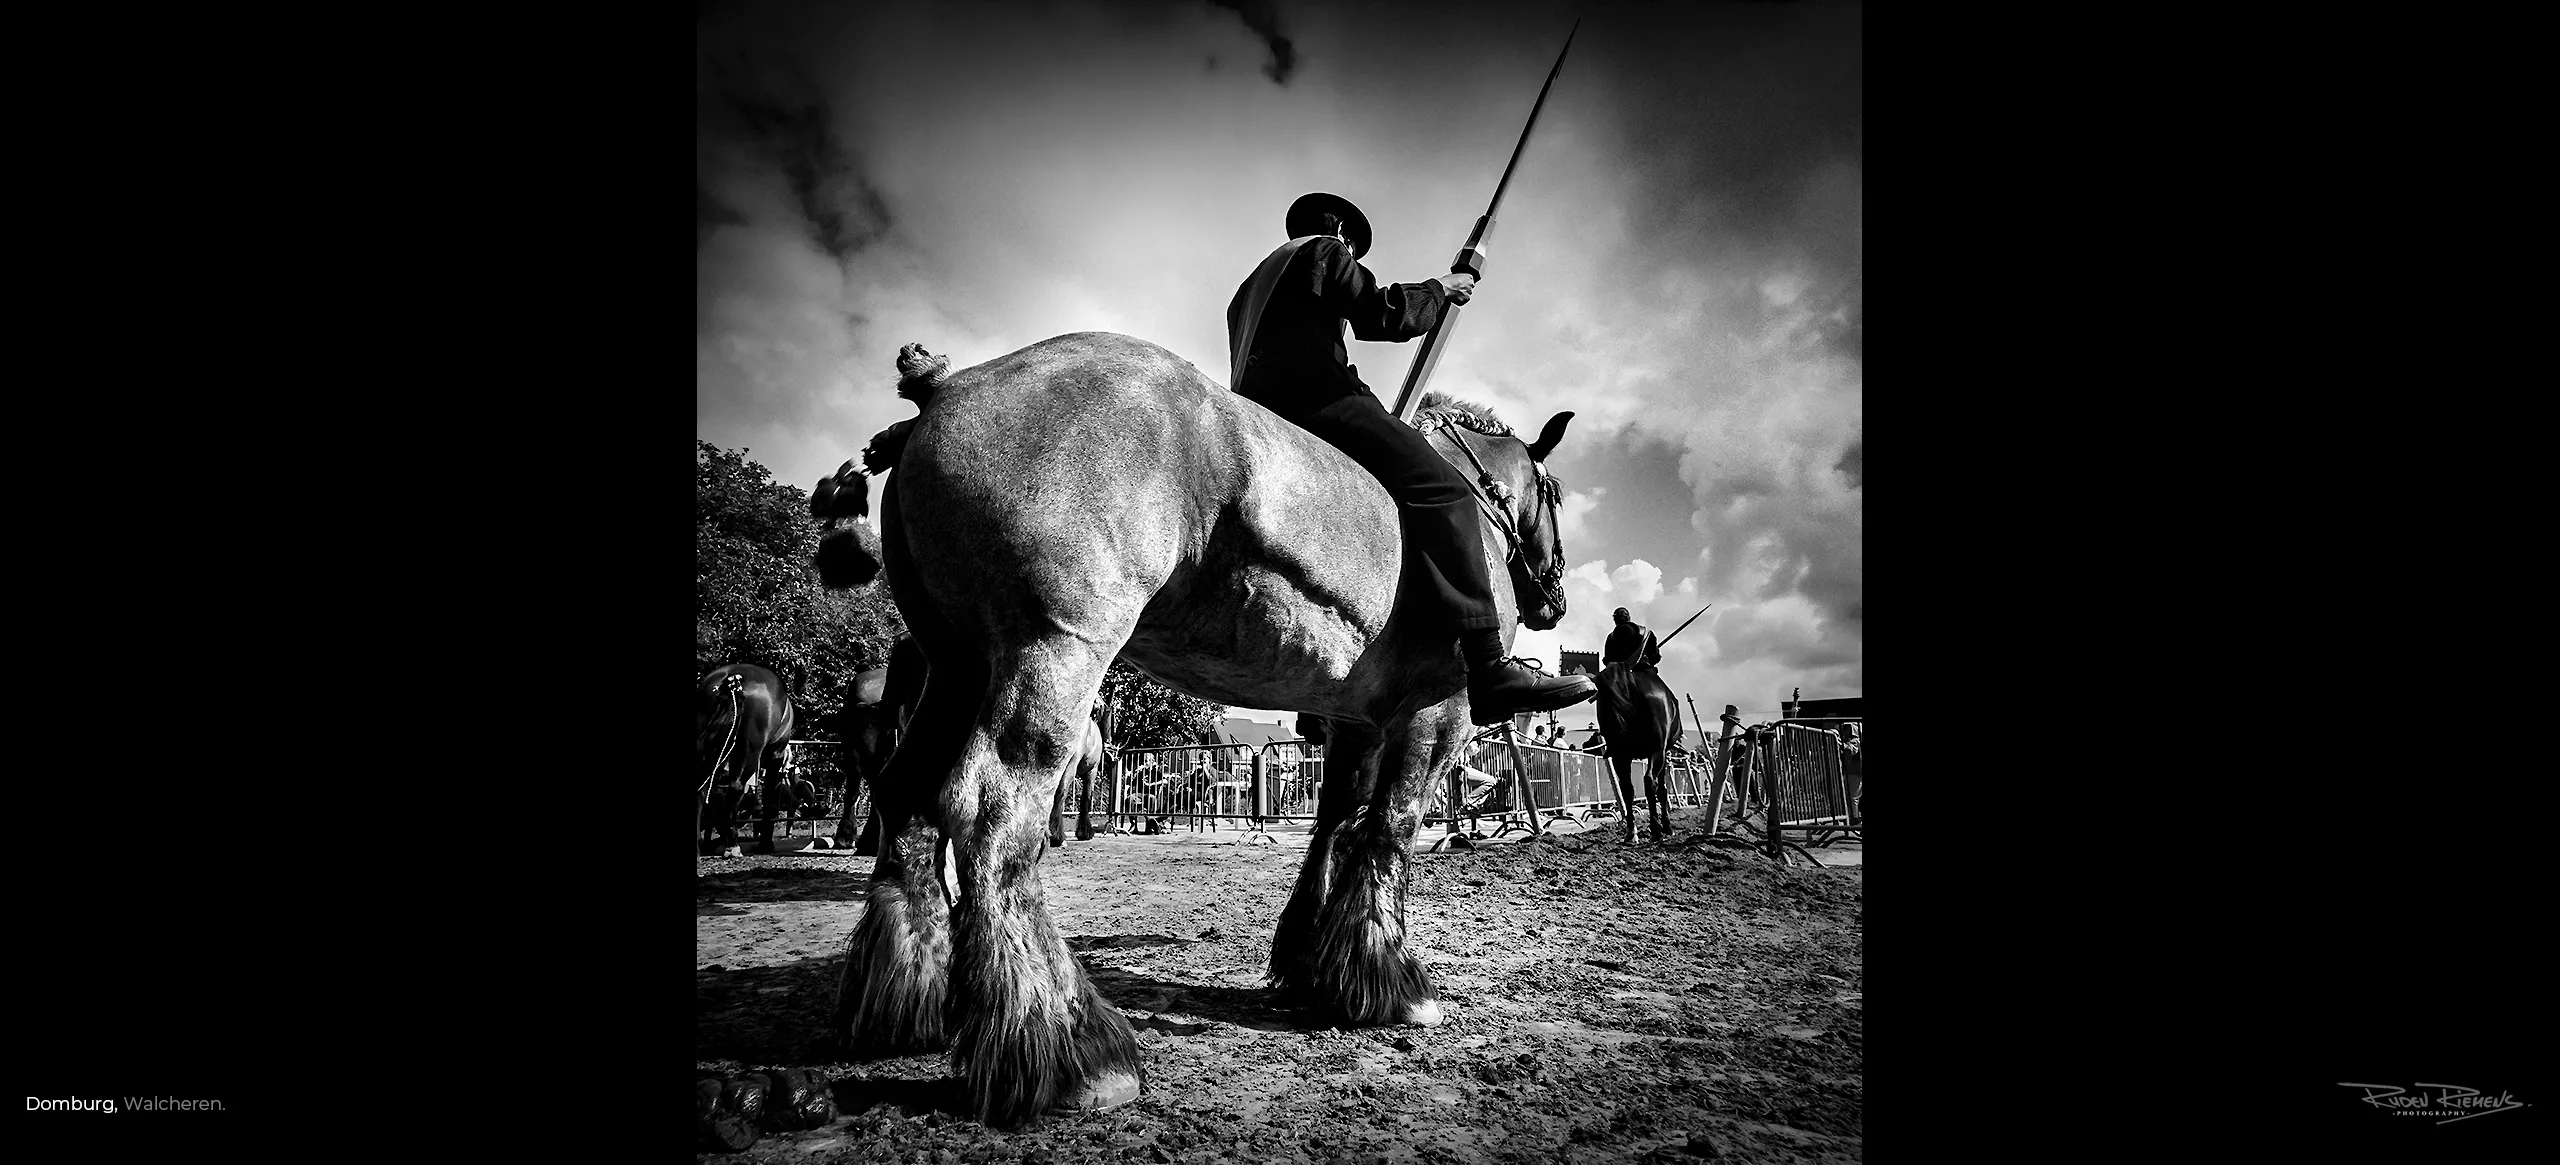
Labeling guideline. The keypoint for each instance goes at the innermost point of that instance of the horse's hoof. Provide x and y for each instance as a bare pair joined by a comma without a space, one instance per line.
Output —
1105,1092
1424,1014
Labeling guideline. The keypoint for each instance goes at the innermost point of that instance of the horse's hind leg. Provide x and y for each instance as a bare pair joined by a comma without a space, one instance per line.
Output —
1029,1031
766,801
897,966
1058,810
848,829
1622,768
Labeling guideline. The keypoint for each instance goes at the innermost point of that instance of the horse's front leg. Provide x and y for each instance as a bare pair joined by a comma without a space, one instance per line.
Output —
1029,1032
1350,778
1362,969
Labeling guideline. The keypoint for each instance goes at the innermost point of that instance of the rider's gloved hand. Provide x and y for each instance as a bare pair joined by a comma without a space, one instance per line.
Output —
1457,286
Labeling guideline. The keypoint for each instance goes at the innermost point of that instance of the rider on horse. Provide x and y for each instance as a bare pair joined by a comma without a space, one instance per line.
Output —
1630,643
1297,367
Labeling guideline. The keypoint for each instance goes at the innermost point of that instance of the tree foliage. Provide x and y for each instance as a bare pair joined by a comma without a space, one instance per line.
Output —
1152,715
756,593
757,600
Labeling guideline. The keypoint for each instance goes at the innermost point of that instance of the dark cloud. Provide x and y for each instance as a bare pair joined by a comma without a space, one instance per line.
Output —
1852,463
1263,17
1744,142
756,99
710,214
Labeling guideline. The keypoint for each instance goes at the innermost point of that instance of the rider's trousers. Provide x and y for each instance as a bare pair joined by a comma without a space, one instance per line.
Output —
1433,497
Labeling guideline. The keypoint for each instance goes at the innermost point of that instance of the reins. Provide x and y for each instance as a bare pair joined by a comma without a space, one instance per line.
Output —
711,780
1488,486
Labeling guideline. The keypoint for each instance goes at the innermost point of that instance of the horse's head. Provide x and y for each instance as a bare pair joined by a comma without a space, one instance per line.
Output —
1530,498
1542,531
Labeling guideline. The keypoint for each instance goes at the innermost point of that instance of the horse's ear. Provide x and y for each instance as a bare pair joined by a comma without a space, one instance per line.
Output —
1547,437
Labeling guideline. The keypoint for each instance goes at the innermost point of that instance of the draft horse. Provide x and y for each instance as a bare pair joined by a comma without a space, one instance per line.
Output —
742,719
1639,720
1095,496
876,706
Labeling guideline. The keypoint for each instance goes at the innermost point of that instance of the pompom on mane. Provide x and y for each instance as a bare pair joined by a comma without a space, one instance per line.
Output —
919,372
1439,408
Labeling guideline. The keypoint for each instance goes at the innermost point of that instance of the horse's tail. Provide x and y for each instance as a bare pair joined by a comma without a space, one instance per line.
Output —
850,556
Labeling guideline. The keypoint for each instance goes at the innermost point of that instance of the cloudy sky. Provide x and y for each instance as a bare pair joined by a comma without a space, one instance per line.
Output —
1677,260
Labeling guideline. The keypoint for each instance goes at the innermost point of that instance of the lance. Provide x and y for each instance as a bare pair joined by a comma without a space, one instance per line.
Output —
1470,258
1684,625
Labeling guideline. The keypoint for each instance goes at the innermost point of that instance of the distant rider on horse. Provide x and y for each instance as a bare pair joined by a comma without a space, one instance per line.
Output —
1290,359
1630,643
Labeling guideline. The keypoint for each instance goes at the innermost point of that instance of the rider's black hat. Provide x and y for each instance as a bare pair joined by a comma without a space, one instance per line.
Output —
1304,220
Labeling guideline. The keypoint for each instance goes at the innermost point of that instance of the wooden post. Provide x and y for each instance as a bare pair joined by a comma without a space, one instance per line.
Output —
1744,789
1769,793
1839,776
1523,794
1724,767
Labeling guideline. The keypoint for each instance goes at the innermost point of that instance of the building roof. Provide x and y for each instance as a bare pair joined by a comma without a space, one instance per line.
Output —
1255,732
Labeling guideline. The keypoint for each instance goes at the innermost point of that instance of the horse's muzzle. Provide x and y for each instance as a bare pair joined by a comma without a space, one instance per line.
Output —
848,556
1541,618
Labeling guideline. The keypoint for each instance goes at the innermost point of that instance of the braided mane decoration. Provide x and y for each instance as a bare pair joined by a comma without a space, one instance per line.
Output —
1440,410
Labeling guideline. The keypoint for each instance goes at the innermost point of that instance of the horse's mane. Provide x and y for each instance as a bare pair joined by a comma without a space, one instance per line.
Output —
1439,408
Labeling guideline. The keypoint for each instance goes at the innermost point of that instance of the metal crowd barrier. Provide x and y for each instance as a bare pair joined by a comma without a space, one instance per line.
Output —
1572,784
820,762
1199,785
1806,783
1793,765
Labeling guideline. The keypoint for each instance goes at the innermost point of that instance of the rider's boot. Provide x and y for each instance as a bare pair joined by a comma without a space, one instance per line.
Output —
1499,688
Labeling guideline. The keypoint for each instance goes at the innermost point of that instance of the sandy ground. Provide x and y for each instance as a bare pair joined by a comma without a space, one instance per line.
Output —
1606,1003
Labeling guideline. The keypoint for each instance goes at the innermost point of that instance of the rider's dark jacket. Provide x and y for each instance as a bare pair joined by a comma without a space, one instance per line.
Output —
1630,642
1299,363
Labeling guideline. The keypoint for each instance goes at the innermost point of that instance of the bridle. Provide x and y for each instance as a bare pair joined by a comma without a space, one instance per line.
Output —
1550,581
